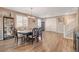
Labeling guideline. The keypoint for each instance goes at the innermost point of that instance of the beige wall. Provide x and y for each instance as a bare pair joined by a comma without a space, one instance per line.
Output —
52,24
69,18
32,23
70,25
67,24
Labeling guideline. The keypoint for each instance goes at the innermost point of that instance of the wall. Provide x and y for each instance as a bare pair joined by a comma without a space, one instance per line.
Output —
32,23
70,25
52,24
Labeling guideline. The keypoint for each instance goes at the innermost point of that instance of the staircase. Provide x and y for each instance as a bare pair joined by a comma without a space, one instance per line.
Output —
69,29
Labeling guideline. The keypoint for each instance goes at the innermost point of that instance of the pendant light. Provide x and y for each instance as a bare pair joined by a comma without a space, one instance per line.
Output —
31,16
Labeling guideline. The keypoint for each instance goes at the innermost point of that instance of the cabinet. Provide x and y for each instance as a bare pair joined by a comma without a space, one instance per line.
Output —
8,25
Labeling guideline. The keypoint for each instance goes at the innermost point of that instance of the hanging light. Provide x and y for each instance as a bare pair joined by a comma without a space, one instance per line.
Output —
31,11
32,17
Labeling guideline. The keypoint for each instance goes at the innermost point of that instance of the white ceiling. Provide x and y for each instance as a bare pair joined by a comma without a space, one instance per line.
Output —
44,11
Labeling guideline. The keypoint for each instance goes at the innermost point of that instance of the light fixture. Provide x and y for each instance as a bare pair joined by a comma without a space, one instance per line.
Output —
31,10
31,16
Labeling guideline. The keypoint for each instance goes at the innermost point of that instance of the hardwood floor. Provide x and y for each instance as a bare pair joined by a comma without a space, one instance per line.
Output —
52,42
55,42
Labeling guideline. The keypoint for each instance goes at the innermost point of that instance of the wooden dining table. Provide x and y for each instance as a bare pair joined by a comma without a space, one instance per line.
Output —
25,33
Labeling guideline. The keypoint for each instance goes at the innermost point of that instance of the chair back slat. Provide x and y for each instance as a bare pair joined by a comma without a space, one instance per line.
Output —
40,31
35,32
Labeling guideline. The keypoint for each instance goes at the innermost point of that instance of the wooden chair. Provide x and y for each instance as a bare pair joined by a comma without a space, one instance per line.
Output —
15,35
22,38
18,36
40,33
34,36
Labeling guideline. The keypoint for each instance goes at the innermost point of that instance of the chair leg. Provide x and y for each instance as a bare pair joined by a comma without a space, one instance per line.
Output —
16,39
24,40
21,40
41,36
37,39
32,41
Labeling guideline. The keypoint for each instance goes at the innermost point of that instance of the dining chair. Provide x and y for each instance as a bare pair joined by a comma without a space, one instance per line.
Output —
34,36
15,35
40,32
21,38
18,36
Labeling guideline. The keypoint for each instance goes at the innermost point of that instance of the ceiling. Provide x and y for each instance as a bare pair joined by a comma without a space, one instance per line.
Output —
44,11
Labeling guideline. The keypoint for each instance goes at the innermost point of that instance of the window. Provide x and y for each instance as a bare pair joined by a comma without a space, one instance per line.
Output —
39,22
18,21
21,22
25,22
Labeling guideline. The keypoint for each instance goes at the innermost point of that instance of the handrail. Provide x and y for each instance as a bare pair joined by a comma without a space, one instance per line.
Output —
70,25
69,28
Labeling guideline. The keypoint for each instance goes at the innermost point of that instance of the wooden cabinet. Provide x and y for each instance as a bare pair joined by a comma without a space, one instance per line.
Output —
8,25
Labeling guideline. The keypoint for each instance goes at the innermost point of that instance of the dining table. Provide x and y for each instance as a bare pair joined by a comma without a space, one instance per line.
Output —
26,33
